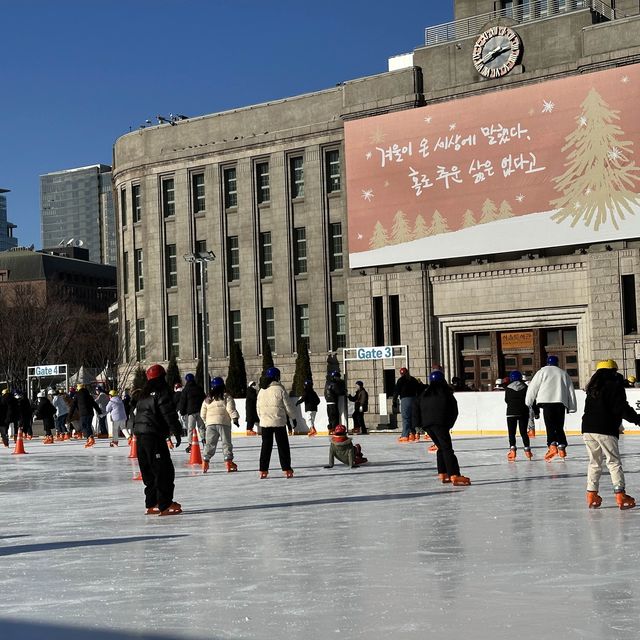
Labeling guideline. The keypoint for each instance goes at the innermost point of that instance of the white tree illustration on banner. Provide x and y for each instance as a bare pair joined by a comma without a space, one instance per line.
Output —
400,232
598,183
505,211
469,219
380,237
438,224
489,212
420,229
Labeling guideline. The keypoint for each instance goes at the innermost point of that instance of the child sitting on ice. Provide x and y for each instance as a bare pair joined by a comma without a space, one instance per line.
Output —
342,448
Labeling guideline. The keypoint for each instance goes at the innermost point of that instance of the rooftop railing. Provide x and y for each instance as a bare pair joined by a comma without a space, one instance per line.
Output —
528,11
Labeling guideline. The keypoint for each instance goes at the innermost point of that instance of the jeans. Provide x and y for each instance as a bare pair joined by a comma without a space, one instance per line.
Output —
85,425
214,433
406,406
60,423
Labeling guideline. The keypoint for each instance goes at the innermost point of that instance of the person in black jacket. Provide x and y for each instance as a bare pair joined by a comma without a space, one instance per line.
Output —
436,411
604,409
45,411
155,421
25,413
10,413
85,404
311,404
191,400
250,410
360,401
518,414
334,391
406,390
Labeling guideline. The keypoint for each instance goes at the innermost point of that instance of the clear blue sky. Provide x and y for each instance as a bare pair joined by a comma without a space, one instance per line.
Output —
77,74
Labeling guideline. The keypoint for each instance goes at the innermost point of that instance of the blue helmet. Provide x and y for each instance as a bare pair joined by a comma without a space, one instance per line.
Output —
189,377
515,375
308,383
552,361
335,374
436,376
217,382
273,373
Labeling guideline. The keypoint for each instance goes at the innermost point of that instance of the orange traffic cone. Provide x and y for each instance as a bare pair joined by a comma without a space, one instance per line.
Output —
133,450
195,457
19,444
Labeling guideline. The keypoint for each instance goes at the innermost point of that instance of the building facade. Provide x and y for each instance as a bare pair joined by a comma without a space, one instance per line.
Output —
76,207
266,187
7,241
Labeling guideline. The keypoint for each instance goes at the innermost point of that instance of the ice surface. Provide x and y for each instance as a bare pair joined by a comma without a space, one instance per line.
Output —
384,551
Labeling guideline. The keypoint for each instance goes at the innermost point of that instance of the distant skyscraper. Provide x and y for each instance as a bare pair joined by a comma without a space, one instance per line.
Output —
7,241
76,207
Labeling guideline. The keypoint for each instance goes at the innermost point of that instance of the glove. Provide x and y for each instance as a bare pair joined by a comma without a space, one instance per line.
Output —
178,440
236,422
294,423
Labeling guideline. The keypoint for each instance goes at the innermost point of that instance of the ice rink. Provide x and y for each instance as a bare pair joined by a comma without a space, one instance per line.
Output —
383,551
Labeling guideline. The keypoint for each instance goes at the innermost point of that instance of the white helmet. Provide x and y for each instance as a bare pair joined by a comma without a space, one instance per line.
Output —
42,394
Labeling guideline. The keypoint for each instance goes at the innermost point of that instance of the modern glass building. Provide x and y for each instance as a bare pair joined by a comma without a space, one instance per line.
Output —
7,241
76,207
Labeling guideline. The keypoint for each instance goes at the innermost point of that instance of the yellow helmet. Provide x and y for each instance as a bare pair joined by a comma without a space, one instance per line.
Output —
5,391
113,393
607,364
631,379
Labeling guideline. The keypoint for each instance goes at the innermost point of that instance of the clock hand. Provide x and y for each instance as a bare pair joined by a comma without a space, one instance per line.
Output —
492,54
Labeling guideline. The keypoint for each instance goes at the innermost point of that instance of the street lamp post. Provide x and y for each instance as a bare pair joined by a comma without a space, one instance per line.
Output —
201,258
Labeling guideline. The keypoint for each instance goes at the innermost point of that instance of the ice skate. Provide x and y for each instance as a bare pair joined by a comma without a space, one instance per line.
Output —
263,474
66,436
593,499
28,437
113,443
151,511
231,466
444,478
48,440
531,432
289,474
59,437
552,452
528,453
511,456
173,509
90,442
412,437
562,452
188,449
460,481
205,466
312,432
403,439
251,432
624,501
433,448
427,437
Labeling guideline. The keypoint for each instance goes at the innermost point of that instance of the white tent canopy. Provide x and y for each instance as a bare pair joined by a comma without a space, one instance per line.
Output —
84,375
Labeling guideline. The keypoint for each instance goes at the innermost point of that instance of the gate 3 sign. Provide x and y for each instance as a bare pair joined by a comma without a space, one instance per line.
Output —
374,353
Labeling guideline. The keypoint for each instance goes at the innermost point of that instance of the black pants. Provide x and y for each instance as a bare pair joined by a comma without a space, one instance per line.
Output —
48,424
446,458
358,421
333,413
554,413
157,471
521,421
282,440
4,432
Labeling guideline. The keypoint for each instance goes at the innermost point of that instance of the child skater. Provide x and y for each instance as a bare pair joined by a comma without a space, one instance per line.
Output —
342,447
518,412
311,402
604,409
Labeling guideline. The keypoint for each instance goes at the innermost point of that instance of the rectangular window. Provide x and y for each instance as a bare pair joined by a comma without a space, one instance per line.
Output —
138,270
197,192
236,328
125,272
378,322
233,258
123,207
335,246
168,198
136,203
141,351
300,250
394,319
230,187
173,334
297,177
262,182
269,327
266,255
171,265
339,325
302,322
127,340
629,313
332,169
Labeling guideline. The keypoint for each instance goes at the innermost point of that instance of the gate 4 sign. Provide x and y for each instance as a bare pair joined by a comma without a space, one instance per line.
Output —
49,370
374,353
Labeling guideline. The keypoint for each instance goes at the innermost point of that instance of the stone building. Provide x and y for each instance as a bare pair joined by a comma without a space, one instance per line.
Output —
265,188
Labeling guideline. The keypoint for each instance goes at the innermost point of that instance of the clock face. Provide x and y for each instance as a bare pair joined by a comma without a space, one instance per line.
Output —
496,52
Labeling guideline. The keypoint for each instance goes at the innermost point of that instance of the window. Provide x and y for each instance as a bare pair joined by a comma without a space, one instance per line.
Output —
125,272
300,250
127,339
233,258
339,325
230,187
173,334
236,328
168,198
332,168
138,270
269,327
136,203
201,247
335,246
262,182
297,177
123,207
629,313
197,191
266,255
140,340
171,265
302,322
378,322
476,342
394,319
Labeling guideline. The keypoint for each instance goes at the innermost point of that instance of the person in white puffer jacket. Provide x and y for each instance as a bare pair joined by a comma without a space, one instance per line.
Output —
117,417
552,389
218,411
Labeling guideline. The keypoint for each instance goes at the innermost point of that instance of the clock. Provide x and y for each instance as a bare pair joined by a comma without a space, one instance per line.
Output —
496,51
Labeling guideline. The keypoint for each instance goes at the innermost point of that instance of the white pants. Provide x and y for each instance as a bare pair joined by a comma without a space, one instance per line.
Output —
310,418
214,433
600,449
115,426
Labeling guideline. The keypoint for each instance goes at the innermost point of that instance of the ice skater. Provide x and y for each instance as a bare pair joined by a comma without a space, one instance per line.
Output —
191,400
46,412
360,401
117,418
218,411
86,406
250,408
406,390
552,389
342,448
518,414
604,409
436,410
155,420
311,403
274,406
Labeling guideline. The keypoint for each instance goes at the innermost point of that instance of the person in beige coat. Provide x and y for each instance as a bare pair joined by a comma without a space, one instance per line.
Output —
218,411
274,405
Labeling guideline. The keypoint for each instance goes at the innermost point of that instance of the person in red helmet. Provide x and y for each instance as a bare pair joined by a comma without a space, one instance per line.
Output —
155,420
342,448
